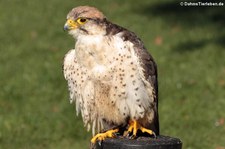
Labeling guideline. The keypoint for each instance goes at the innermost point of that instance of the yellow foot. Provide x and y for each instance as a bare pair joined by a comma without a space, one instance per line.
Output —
102,136
134,126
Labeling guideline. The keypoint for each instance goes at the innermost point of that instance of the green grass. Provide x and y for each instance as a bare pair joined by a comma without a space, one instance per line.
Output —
188,44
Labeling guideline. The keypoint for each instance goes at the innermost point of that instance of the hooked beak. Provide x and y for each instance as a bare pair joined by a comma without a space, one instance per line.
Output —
70,25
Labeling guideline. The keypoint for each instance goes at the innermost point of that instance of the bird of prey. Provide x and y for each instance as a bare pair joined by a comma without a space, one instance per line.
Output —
111,77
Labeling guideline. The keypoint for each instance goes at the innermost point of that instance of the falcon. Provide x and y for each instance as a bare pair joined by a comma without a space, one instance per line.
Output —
111,77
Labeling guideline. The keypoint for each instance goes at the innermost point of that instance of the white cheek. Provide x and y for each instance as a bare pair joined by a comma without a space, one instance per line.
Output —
74,33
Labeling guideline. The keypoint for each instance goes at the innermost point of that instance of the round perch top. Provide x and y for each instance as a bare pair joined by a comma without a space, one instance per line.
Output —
161,142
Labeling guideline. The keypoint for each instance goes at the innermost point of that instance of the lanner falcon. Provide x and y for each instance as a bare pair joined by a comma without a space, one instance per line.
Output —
111,77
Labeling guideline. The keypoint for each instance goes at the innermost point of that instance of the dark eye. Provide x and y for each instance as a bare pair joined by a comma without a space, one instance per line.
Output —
81,20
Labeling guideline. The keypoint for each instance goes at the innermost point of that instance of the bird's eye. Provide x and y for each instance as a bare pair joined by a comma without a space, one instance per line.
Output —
81,20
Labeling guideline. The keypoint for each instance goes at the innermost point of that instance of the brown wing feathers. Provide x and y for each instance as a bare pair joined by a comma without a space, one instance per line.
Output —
147,61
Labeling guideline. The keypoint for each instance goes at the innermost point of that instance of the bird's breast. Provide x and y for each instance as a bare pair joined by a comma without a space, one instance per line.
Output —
92,51
95,53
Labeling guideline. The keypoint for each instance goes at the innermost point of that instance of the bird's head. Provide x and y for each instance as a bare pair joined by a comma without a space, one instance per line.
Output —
84,20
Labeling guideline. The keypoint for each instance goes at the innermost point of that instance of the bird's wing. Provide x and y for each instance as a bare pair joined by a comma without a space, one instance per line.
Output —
76,76
148,66
149,70
69,68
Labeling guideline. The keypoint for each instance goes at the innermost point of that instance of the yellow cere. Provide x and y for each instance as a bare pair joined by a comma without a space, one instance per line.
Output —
71,24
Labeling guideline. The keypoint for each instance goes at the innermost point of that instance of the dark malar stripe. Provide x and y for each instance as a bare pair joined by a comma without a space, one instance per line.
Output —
84,30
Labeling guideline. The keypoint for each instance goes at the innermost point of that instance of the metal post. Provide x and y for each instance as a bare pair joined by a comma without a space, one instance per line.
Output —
161,142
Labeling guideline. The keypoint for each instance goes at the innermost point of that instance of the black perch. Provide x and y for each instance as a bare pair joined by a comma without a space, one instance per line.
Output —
161,142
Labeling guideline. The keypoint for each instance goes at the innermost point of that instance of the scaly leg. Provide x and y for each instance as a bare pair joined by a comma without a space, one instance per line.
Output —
134,126
102,136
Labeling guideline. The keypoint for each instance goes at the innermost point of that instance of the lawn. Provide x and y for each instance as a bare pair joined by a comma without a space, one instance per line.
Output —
188,44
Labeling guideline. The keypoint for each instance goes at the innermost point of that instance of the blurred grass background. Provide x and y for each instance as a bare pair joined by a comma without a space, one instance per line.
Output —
188,43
